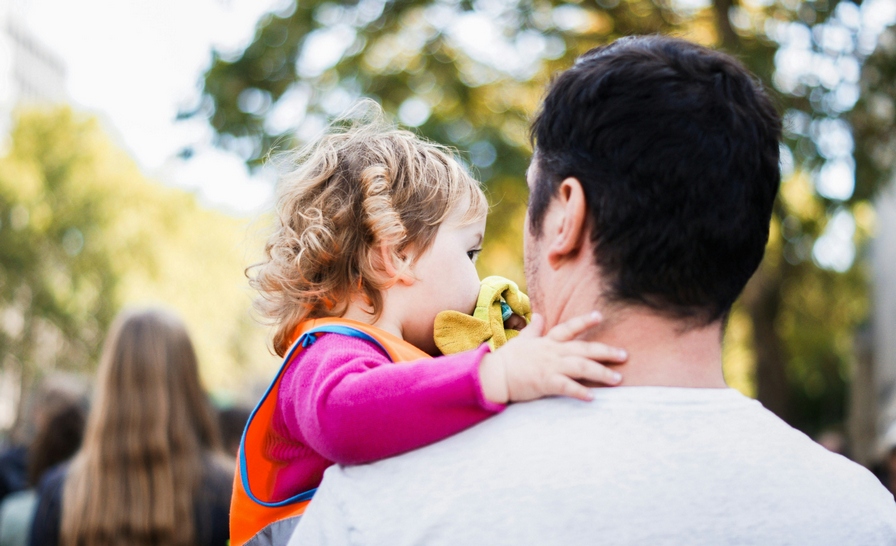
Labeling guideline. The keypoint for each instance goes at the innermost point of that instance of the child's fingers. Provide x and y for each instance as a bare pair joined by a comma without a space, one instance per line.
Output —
562,385
587,370
535,327
593,350
568,330
515,322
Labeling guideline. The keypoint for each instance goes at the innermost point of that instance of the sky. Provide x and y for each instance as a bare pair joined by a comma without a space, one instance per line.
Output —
135,63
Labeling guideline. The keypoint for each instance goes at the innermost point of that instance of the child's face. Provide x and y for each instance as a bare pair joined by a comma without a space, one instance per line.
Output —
446,279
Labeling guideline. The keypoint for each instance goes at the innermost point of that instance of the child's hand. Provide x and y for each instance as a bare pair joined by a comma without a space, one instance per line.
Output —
515,322
533,365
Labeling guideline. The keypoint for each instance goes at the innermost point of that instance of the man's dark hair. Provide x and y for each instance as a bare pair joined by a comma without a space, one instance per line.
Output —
676,148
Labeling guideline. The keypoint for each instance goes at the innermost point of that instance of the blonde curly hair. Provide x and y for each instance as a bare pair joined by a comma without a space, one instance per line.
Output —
362,193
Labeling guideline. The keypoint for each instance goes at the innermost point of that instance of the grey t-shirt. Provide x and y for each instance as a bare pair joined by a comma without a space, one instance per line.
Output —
638,465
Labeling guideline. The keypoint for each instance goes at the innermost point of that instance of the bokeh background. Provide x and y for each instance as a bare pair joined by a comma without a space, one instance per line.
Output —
135,169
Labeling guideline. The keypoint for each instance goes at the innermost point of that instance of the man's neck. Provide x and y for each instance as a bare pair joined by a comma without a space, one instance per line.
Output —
661,353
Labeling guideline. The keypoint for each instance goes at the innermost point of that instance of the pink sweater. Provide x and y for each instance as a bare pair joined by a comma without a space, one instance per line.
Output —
343,401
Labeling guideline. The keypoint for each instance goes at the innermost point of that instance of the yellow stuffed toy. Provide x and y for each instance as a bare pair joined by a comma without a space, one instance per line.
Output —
499,298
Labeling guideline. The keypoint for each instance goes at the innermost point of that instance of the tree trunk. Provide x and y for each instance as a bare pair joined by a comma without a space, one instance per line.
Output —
861,424
762,300
729,39
22,429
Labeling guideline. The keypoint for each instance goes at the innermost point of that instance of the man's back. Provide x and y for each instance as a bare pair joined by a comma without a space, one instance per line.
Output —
638,465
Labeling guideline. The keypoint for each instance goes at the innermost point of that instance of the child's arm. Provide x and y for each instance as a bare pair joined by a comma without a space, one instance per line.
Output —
352,405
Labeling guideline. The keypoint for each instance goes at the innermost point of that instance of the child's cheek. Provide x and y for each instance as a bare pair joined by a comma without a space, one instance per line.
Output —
473,297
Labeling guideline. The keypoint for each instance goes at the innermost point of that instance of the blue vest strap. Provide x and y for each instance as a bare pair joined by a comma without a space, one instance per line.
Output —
304,341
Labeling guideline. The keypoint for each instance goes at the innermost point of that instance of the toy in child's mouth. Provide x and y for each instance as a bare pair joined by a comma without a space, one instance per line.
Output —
500,304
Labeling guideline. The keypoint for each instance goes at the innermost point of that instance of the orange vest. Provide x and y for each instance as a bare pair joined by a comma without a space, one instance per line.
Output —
255,519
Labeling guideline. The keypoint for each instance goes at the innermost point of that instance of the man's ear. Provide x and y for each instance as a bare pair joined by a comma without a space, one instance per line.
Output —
572,232
398,273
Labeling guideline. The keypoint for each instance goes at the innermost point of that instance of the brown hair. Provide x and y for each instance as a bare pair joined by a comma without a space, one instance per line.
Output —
58,437
362,187
136,476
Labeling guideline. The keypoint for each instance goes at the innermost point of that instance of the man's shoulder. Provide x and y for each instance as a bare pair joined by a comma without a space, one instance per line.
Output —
650,464
719,437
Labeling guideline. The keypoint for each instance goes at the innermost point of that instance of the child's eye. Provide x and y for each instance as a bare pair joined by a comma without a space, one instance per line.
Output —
473,254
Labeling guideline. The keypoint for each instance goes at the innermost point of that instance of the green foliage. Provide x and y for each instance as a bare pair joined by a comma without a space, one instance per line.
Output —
416,58
58,274
199,258
818,318
874,118
398,51
83,232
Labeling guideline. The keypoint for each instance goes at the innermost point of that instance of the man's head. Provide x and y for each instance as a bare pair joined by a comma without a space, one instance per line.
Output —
675,150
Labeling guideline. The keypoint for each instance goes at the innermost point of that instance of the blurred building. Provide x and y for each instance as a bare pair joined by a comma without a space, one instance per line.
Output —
29,71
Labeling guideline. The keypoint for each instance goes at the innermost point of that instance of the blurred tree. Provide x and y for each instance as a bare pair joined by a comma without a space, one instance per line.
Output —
470,73
198,257
811,292
83,232
874,117
58,272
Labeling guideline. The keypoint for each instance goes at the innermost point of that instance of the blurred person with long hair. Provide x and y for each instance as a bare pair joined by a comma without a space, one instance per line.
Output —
150,470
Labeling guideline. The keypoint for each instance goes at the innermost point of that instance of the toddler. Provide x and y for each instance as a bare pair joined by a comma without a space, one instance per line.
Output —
377,232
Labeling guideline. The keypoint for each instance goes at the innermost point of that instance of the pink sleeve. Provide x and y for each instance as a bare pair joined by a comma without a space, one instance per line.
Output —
351,404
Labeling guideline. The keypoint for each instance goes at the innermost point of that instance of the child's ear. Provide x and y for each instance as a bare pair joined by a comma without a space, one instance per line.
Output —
399,272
